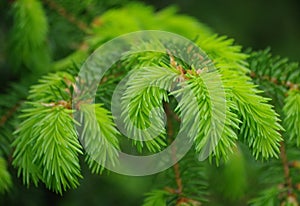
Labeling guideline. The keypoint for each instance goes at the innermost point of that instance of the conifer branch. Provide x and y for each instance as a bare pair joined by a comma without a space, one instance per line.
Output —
10,113
28,39
176,167
48,146
68,16
287,84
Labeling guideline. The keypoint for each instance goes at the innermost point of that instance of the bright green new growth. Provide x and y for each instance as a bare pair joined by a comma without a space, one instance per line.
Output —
291,111
5,178
49,147
259,125
145,91
99,136
53,135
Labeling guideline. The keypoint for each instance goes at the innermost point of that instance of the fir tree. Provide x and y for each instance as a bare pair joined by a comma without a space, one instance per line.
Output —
47,133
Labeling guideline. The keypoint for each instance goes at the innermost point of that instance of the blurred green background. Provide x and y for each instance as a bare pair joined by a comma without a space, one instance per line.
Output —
252,23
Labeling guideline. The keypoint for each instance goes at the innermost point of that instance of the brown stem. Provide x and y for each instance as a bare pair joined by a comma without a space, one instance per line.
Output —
112,76
291,196
286,168
295,164
188,201
176,168
178,178
9,113
287,84
63,12
63,103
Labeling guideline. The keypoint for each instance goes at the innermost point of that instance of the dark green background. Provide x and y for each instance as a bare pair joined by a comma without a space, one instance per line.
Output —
252,23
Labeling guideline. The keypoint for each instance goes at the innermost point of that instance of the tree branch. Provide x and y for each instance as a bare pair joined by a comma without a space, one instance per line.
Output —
288,84
9,113
69,17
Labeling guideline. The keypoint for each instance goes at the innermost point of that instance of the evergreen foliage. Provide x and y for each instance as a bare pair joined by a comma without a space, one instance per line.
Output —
28,37
44,138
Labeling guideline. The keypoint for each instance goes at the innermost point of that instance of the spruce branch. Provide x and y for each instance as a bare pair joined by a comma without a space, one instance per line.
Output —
181,198
47,148
68,16
291,110
256,113
99,136
275,75
10,113
280,79
47,144
146,89
288,84
28,43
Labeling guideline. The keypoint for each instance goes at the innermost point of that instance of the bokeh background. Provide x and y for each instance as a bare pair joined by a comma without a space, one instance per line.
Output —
252,23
